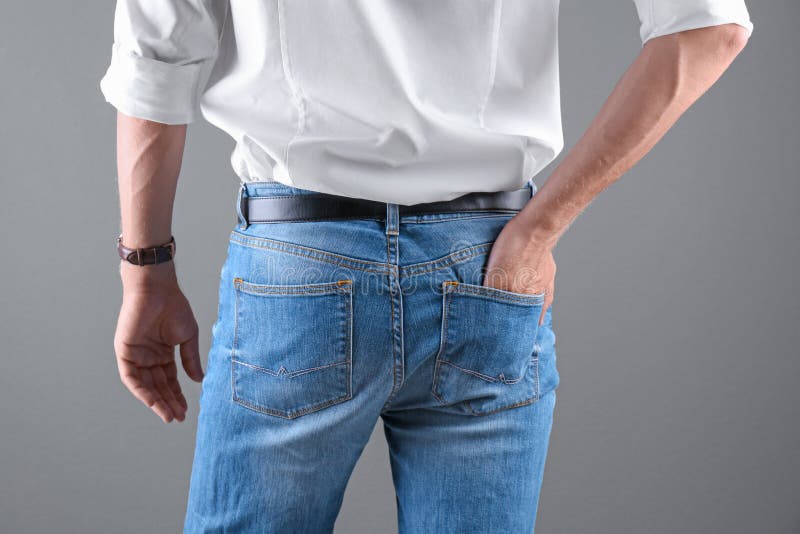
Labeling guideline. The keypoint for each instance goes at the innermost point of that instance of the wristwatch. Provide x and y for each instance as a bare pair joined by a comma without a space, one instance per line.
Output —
147,255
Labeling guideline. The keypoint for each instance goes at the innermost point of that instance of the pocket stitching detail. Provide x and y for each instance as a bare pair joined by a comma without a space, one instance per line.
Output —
501,378
494,293
294,414
341,287
326,288
282,371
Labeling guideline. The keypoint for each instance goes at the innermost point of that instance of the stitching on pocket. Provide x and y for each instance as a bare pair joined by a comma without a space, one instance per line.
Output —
294,414
340,287
482,376
494,293
288,374
327,288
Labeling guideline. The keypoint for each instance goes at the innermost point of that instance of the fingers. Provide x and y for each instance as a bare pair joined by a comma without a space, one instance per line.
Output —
190,358
154,382
166,390
140,383
171,372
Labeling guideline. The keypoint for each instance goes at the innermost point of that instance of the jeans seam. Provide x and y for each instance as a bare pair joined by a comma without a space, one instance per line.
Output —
391,319
394,277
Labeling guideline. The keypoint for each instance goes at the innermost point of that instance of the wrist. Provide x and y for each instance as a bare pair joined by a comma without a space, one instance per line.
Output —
539,230
157,278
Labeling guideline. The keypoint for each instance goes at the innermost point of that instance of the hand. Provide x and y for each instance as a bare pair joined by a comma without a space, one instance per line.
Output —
155,316
519,263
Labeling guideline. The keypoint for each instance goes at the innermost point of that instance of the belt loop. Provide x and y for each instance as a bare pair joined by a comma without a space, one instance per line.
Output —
241,206
392,219
532,187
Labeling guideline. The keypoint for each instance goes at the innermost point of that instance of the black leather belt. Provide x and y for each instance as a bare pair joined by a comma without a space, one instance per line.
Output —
324,206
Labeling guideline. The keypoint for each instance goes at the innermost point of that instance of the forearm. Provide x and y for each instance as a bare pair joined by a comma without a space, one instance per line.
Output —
149,158
670,73
155,316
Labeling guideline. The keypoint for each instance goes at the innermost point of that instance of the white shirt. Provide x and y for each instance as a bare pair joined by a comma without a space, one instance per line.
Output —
402,101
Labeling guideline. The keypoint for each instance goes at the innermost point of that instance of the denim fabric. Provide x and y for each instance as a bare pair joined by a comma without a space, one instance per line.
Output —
325,326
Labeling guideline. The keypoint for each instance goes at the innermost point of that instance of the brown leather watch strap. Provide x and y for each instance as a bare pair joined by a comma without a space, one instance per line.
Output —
147,255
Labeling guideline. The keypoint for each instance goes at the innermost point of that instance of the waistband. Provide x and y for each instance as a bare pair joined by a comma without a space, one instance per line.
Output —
270,202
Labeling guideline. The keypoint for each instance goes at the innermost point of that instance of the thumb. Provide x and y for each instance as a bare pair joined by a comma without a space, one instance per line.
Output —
190,358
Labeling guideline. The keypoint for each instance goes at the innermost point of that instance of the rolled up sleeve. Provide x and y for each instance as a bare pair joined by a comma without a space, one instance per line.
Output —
161,57
662,17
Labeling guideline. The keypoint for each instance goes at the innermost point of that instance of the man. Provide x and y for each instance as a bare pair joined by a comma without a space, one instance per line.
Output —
392,256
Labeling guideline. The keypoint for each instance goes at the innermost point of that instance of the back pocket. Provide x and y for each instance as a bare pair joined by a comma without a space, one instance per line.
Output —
292,347
487,358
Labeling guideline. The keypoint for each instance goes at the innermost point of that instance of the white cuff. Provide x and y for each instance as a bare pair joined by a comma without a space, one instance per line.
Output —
714,13
153,90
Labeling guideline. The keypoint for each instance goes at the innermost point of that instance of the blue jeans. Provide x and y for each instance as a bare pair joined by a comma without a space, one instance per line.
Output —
323,327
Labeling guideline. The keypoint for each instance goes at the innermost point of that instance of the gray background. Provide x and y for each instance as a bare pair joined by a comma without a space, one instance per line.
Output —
677,299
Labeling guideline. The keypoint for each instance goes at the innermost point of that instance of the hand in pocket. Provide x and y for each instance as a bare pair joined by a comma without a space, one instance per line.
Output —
521,264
